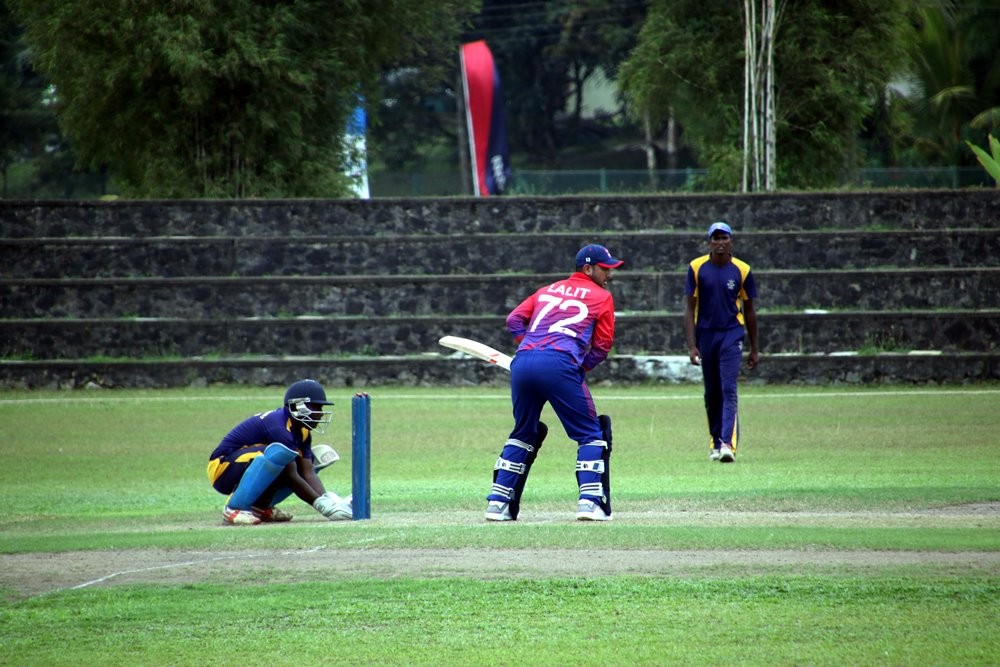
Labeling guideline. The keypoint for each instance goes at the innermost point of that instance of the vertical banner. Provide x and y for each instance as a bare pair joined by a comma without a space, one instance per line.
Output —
357,152
486,118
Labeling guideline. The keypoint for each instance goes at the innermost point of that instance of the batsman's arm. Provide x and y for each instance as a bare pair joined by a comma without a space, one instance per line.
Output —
518,319
604,336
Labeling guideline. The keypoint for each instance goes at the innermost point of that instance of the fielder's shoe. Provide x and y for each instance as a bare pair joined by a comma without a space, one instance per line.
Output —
714,455
588,510
726,454
498,511
271,514
239,517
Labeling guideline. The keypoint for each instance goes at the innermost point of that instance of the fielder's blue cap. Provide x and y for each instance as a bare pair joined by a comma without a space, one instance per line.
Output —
719,227
599,255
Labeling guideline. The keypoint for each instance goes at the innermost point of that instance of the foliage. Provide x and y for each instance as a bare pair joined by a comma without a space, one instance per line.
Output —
991,160
27,124
955,80
546,53
830,62
222,99
35,160
248,98
416,117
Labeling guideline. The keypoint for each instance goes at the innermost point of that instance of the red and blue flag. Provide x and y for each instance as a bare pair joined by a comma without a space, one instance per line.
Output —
487,119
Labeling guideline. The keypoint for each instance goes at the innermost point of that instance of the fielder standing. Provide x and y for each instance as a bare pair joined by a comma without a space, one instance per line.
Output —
719,302
563,330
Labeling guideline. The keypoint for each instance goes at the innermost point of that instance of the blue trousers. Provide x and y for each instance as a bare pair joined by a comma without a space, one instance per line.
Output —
721,357
552,377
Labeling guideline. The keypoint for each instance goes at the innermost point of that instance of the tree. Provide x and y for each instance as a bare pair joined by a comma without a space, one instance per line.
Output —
991,160
206,98
831,59
24,121
546,52
759,149
955,80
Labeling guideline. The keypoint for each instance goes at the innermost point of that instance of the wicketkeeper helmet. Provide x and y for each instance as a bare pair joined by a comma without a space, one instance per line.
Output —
306,401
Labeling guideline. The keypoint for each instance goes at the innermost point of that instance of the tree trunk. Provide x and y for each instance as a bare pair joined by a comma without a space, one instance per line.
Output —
759,107
770,140
671,140
650,151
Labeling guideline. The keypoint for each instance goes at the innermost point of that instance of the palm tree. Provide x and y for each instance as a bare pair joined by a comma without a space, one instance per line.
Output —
956,79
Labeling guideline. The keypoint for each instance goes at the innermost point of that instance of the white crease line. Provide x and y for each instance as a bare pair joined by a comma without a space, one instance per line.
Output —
149,569
185,564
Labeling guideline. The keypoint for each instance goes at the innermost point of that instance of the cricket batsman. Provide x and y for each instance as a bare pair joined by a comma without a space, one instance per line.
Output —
563,331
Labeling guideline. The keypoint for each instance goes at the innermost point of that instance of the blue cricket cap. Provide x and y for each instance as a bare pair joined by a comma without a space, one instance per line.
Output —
599,255
719,227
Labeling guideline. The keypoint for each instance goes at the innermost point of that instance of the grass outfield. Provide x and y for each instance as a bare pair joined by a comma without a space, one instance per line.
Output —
856,526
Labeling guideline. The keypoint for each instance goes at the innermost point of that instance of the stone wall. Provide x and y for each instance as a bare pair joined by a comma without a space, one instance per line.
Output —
207,297
897,210
123,293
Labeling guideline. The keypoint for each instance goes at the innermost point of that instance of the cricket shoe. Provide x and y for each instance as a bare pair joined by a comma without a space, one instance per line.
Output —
714,455
239,517
588,510
498,511
726,454
271,514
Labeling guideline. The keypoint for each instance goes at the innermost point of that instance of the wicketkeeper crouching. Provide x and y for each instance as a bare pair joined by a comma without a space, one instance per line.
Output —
270,456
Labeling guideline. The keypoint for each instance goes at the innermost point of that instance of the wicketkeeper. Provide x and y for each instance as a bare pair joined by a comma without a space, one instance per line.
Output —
270,456
563,330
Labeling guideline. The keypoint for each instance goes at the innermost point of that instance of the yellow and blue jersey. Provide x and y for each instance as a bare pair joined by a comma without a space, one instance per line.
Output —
248,439
720,292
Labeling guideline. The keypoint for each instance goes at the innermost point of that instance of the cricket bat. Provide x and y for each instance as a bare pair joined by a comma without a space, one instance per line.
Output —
477,350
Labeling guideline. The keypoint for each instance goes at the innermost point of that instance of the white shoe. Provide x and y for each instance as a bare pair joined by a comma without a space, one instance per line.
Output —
726,454
239,517
588,510
714,456
498,511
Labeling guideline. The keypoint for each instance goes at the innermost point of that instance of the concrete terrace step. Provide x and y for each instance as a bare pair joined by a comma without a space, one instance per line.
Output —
174,293
638,333
480,253
492,294
917,209
436,370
